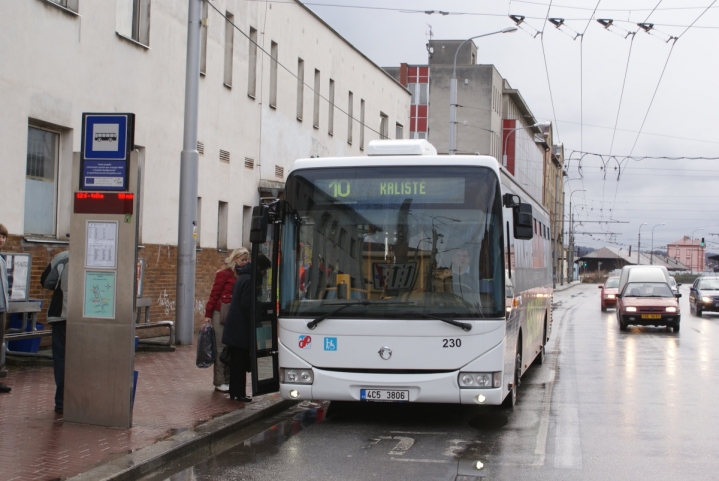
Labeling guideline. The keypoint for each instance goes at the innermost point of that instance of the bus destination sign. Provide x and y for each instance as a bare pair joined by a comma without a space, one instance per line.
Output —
444,190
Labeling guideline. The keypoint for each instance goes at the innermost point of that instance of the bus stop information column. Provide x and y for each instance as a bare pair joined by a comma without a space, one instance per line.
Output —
103,254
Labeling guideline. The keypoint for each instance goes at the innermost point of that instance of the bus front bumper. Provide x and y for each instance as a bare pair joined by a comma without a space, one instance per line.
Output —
426,388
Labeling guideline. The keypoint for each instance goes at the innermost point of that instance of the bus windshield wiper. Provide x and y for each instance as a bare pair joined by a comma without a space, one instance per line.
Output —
363,302
464,325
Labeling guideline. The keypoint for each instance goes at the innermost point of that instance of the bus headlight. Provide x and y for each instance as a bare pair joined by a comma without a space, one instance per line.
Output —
296,376
482,380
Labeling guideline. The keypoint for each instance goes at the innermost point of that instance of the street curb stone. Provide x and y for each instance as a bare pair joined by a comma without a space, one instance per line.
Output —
202,438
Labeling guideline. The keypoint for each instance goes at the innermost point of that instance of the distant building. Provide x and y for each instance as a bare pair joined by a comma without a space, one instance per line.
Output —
493,119
689,252
607,259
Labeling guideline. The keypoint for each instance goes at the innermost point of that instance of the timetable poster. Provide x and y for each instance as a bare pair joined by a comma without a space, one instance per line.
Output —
101,245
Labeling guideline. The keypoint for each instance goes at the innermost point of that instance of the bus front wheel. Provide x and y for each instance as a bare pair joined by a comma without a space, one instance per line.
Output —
511,398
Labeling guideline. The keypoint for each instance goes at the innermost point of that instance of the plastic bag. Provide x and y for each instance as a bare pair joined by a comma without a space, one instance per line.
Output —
206,348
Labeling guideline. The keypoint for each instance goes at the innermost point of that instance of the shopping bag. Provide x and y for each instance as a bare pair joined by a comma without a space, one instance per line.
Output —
206,348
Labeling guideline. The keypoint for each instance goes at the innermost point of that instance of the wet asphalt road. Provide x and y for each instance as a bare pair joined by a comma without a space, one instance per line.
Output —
641,404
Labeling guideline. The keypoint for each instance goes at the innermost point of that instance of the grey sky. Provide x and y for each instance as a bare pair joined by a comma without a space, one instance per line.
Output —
683,194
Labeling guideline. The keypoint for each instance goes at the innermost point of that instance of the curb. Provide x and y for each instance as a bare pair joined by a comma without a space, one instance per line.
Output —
566,286
204,438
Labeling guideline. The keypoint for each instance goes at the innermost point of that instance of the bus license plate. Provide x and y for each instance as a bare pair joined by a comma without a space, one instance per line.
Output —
386,395
651,316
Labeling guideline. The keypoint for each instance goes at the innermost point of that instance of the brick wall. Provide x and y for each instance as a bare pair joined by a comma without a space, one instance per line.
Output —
160,276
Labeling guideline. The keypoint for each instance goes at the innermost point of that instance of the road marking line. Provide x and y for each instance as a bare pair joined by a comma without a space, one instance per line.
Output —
416,432
407,460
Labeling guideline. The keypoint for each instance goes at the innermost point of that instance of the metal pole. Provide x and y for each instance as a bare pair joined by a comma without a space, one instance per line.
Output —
651,253
189,159
571,233
453,91
639,241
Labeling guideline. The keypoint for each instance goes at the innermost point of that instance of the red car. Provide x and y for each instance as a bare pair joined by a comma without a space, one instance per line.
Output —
648,304
608,296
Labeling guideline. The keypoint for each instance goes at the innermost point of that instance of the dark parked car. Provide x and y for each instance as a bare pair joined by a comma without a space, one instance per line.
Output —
704,295
608,295
648,304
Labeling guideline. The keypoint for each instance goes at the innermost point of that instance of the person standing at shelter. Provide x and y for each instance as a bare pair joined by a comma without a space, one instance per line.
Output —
222,294
55,278
4,298
238,327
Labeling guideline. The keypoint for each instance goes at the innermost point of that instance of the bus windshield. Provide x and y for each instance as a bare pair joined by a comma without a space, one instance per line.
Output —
419,240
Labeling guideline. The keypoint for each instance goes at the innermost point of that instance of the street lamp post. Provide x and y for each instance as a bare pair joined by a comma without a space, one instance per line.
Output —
453,91
639,241
691,267
504,150
651,253
571,235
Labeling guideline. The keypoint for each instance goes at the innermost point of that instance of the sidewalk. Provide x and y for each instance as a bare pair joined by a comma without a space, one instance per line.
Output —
566,286
173,396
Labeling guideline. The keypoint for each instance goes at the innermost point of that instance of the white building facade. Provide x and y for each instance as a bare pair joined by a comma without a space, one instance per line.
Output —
277,84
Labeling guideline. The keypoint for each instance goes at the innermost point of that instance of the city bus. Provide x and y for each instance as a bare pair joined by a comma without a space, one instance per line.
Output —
400,276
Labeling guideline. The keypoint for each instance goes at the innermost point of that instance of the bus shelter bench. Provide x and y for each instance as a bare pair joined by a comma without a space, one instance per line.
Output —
170,325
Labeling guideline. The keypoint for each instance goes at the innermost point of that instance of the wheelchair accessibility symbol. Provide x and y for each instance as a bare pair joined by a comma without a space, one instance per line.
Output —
330,343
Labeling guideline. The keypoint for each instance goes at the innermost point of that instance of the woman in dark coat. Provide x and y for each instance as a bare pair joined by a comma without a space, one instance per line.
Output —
237,332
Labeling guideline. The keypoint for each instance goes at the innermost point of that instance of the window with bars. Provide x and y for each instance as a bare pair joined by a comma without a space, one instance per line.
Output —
41,181
229,42
224,156
200,147
273,74
133,20
279,172
252,64
249,162
300,87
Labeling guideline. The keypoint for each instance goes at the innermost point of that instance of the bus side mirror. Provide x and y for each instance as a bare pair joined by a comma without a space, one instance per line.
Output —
523,221
258,228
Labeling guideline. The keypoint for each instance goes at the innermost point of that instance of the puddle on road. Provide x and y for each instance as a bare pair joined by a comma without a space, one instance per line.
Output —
256,441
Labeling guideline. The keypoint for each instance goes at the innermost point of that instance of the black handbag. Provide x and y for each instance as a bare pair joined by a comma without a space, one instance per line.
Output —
225,356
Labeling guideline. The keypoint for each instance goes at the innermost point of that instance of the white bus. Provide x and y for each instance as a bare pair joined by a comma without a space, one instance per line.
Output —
401,276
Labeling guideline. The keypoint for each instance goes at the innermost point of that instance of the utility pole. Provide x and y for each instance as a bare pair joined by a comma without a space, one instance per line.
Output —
639,241
189,160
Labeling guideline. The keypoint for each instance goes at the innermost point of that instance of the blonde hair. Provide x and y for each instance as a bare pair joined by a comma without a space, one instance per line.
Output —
230,261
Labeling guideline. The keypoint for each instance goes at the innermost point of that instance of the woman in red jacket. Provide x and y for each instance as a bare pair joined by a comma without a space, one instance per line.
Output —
222,294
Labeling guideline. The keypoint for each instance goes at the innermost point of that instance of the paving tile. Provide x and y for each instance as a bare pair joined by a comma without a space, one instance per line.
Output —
172,395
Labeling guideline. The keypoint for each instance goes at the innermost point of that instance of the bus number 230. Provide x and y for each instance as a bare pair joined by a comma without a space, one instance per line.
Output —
451,343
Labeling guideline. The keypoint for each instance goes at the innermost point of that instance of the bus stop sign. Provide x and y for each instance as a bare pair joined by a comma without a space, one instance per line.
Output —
107,140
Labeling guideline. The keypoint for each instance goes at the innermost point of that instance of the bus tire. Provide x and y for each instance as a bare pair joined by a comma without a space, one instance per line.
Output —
511,400
541,356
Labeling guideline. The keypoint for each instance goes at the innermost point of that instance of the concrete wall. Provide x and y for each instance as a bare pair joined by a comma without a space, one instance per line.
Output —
58,64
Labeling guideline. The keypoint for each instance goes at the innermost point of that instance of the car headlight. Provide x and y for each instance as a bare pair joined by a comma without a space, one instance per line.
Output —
630,309
671,309
706,299
610,296
480,380
296,376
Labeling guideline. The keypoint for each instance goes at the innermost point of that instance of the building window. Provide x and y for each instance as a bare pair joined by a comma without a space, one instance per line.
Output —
229,40
361,145
350,115
331,109
273,74
222,217
252,64
316,112
383,126
203,38
246,226
419,93
68,4
300,87
398,131
41,181
133,20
